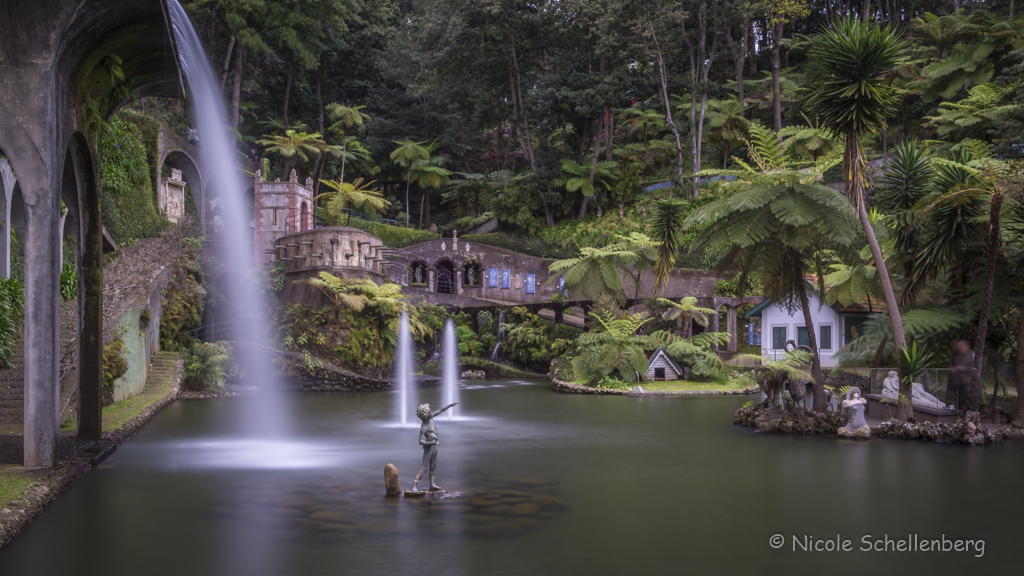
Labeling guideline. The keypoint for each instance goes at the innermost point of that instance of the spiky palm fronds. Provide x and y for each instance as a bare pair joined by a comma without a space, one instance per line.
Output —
357,194
599,271
974,115
616,347
343,292
688,309
667,233
294,143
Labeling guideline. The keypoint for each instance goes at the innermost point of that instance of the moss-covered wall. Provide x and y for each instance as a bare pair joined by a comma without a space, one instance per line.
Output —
128,194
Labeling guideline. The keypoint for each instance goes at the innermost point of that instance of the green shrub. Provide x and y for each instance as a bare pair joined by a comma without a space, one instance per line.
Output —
208,366
184,299
12,310
393,236
115,364
68,281
127,196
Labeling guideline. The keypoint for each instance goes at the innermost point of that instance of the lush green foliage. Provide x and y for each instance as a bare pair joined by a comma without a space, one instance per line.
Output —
127,195
184,299
12,310
208,366
115,364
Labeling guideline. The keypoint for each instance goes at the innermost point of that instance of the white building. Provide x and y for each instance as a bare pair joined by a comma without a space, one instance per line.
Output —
834,326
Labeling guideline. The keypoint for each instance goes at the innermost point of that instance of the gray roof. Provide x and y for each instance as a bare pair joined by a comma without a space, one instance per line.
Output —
661,350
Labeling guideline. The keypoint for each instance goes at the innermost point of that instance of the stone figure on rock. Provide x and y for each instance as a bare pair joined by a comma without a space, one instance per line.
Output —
428,439
854,406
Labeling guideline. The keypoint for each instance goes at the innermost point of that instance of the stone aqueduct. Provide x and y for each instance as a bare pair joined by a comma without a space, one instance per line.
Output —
56,58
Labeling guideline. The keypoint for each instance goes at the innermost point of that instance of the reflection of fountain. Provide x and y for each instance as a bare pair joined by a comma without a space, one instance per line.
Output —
403,369
265,412
501,332
450,367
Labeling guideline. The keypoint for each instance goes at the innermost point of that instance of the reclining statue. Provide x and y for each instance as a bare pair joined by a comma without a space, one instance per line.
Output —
919,397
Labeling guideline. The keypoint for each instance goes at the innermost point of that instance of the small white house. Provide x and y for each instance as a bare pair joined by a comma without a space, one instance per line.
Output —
661,367
834,326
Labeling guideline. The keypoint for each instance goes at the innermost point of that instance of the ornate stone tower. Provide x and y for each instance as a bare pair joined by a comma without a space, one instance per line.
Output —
281,208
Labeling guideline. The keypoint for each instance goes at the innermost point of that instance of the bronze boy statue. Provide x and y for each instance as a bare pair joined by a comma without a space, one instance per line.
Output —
428,439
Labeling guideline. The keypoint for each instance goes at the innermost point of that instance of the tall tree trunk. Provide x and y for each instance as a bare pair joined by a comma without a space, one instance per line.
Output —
320,109
236,89
752,47
812,340
522,109
880,353
668,105
974,391
1018,415
867,11
776,71
852,169
609,119
408,207
739,67
598,133
287,95
227,63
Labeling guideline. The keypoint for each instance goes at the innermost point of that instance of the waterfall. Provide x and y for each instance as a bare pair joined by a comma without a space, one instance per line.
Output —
265,411
501,332
403,370
450,367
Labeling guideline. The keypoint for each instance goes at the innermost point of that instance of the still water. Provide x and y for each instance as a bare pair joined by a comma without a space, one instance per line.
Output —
553,484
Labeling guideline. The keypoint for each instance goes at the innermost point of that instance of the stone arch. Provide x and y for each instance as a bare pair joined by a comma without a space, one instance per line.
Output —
12,214
417,273
177,158
446,279
306,221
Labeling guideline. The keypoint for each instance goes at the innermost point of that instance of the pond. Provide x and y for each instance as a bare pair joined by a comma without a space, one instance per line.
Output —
553,484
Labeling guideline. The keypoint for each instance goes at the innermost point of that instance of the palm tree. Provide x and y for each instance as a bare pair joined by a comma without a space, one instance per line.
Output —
907,178
346,118
356,194
339,291
585,179
406,156
688,310
616,347
726,124
994,180
667,234
775,225
851,101
430,174
293,145
598,271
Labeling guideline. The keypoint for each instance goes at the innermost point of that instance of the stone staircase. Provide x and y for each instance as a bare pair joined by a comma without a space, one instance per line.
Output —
161,369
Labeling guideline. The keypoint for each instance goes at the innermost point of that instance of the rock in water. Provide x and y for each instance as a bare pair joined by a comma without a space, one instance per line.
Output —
391,480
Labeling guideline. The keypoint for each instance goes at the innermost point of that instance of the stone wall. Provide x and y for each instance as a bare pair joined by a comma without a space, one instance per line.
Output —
139,342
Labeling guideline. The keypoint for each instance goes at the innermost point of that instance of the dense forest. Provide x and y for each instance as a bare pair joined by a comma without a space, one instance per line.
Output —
567,121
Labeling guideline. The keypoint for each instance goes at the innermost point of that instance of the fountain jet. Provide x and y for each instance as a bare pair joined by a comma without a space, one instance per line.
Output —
450,367
233,248
403,369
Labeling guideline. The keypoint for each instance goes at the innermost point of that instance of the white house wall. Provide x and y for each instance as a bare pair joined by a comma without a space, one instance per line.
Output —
821,315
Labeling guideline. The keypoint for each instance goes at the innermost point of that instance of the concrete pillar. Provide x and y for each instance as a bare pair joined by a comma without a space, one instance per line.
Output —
42,320
715,325
90,295
7,180
732,327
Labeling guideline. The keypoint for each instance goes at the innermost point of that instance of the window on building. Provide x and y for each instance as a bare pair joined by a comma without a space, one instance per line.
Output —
778,337
801,337
825,342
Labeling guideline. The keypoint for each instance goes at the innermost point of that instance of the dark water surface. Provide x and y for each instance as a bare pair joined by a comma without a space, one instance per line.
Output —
554,484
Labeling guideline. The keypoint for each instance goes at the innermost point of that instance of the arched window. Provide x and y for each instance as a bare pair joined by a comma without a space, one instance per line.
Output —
417,273
306,224
445,277
471,274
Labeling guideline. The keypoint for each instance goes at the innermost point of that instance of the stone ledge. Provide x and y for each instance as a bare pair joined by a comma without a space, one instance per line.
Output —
77,458
736,392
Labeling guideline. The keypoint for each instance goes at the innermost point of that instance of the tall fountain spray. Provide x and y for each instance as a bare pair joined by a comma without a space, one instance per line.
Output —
403,370
450,367
233,244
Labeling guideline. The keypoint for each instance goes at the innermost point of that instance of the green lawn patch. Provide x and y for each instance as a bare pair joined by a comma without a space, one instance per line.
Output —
685,385
13,482
493,369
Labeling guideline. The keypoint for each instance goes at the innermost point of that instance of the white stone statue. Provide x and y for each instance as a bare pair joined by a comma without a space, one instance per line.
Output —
891,386
854,406
443,247
467,246
919,396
